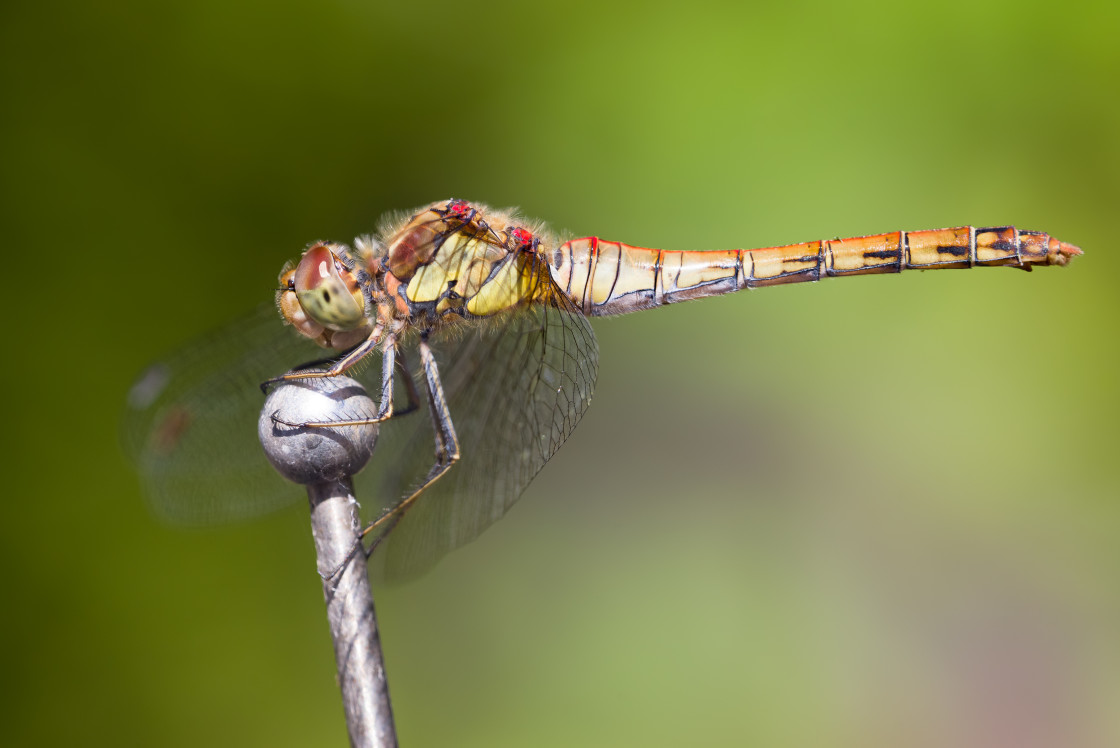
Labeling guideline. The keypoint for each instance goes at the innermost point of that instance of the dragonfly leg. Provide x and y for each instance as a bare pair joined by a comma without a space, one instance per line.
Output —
390,359
409,386
316,364
447,447
388,364
353,356
358,546
385,409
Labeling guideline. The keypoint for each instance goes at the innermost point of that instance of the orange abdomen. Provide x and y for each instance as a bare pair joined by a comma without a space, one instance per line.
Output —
604,277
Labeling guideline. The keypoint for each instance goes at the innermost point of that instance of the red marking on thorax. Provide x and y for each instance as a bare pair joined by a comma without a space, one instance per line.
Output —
458,208
521,238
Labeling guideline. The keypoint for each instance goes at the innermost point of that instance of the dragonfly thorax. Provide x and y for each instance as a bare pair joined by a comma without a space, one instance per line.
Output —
458,260
450,262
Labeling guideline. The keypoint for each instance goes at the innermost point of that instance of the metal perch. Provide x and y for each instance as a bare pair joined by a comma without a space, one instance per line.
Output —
323,459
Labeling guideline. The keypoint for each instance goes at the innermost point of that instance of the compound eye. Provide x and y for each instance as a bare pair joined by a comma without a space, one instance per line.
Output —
323,293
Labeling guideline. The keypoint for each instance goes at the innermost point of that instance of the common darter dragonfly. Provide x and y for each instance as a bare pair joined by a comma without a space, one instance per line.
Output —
483,315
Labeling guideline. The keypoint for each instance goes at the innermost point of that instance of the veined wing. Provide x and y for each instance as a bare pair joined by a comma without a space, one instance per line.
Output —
517,385
191,423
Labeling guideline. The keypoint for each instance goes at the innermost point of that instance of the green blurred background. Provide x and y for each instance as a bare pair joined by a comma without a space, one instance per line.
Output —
872,512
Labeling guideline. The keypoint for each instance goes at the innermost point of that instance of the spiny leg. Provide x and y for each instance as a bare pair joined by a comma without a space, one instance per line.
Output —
389,361
385,409
315,364
447,447
353,356
409,386
402,369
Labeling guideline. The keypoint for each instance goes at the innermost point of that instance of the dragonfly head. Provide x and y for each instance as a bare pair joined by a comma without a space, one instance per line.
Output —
321,296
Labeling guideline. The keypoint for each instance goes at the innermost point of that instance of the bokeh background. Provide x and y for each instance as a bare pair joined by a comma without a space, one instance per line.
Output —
877,511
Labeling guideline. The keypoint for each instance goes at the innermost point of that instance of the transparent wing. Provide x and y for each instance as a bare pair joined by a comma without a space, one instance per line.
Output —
190,425
516,384
516,387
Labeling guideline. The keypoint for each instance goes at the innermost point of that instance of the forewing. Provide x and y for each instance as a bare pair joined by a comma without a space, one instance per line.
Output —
190,425
516,384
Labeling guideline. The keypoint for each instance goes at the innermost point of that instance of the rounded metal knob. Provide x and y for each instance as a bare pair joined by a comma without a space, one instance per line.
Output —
308,454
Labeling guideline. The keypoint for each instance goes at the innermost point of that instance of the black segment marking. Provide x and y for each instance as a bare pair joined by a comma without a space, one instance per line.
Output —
857,271
1001,245
814,271
809,272
952,249
882,254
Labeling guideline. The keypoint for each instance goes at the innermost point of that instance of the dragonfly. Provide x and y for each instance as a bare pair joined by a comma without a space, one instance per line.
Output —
487,315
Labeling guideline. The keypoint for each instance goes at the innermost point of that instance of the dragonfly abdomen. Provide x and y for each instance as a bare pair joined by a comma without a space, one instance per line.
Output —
612,278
